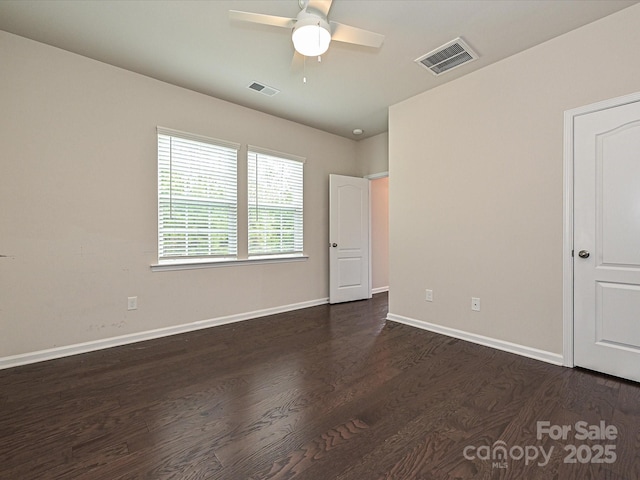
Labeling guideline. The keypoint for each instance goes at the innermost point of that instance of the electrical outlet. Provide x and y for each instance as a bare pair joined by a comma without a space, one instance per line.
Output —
132,303
428,295
475,304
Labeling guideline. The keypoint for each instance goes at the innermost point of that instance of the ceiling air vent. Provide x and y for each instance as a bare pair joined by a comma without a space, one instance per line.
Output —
263,89
448,56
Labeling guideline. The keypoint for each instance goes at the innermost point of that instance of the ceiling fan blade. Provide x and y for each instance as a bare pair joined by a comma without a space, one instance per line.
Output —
358,36
322,6
262,19
297,62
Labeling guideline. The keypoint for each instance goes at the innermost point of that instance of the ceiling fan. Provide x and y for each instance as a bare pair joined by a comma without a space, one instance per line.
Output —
312,32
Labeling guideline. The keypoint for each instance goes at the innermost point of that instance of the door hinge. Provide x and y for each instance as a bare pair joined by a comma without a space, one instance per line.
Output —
572,253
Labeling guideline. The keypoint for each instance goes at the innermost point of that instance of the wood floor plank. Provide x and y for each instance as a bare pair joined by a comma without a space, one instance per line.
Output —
627,420
329,392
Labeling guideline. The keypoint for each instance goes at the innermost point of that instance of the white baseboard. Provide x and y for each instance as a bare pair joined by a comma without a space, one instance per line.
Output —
542,355
68,350
379,290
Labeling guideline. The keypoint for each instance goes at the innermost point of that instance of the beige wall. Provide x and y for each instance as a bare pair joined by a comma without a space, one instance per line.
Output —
479,212
78,223
380,233
373,154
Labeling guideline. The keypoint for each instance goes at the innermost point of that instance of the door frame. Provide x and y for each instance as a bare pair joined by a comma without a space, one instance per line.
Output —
374,176
568,214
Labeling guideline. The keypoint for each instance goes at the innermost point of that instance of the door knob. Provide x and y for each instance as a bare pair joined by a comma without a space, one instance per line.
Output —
334,245
583,254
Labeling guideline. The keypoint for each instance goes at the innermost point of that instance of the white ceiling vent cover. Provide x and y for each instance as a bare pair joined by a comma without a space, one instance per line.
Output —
263,89
447,57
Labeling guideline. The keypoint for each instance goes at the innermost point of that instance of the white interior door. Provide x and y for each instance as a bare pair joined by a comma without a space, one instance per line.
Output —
607,240
348,239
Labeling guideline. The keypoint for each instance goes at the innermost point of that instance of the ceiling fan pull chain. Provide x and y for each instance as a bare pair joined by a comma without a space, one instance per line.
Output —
304,69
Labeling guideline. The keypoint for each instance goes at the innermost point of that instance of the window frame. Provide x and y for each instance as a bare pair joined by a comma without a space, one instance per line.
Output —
242,208
253,149
189,259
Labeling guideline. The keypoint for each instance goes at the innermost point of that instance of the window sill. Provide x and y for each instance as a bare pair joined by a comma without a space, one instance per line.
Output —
226,262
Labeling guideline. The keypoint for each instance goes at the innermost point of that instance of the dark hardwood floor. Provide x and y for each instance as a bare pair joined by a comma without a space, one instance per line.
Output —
330,392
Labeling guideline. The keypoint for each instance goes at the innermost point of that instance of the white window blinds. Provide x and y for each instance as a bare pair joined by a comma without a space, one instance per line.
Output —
275,199
197,196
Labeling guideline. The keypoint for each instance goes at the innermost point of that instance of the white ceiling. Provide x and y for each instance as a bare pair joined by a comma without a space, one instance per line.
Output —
193,44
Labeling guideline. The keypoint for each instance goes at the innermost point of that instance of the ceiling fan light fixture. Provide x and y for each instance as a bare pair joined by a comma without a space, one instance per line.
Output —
311,36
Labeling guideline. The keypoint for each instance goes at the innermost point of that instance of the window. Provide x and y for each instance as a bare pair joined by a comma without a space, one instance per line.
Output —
198,204
275,203
197,197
